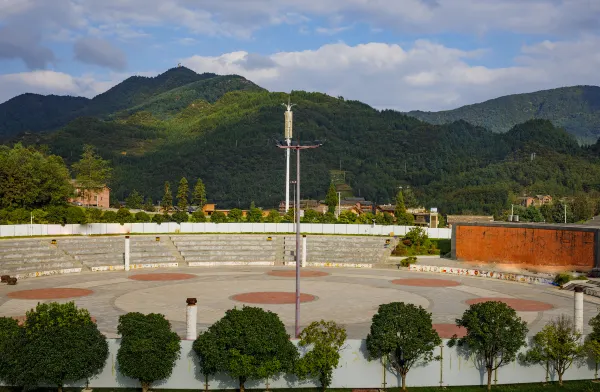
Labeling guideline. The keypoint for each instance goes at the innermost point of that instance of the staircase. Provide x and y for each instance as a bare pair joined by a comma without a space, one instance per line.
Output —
34,257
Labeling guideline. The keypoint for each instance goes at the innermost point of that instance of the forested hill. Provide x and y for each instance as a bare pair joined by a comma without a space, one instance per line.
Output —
231,144
577,109
162,95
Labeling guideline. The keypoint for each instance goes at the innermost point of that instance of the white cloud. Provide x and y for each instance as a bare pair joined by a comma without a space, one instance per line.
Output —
425,76
51,82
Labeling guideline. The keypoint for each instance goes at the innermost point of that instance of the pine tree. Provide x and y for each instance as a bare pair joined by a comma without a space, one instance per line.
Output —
183,193
134,200
400,207
167,200
148,205
331,199
199,197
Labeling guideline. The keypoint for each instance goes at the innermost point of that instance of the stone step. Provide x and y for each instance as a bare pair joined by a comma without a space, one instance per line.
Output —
228,258
238,252
16,254
245,248
227,243
99,256
153,257
338,250
336,259
8,269
34,260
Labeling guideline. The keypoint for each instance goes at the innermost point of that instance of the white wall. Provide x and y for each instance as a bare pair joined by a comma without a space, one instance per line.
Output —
152,228
354,372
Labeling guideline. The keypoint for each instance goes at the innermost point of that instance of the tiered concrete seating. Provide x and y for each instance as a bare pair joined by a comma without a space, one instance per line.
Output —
358,251
29,256
110,251
206,250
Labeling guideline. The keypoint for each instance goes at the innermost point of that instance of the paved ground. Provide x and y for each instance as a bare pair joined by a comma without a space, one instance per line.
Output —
348,296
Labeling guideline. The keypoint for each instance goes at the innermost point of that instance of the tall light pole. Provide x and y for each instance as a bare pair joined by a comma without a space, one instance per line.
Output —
293,183
339,205
297,146
288,138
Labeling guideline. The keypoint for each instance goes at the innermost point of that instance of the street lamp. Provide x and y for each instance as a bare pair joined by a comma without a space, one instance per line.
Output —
297,146
293,183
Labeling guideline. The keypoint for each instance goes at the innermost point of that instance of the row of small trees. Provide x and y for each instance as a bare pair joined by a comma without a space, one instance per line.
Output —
59,343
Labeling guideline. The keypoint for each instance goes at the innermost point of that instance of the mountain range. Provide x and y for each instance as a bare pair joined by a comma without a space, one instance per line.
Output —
224,129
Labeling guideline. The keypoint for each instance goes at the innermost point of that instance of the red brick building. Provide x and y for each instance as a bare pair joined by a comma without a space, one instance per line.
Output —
100,199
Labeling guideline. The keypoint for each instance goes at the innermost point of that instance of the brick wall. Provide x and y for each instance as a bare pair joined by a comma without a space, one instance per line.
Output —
538,247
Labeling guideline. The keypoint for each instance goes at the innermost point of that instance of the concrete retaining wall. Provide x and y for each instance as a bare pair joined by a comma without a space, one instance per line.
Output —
173,228
354,372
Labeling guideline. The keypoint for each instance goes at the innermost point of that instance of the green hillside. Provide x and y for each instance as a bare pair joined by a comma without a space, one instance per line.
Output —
230,144
37,112
577,109
162,95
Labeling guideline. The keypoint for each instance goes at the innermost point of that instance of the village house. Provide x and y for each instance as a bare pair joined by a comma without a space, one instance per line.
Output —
454,219
536,201
91,198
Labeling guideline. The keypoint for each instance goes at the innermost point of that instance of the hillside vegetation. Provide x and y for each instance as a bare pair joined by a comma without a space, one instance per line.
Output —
577,109
162,95
224,129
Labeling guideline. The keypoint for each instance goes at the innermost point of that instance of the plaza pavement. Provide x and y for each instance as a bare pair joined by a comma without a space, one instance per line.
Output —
347,296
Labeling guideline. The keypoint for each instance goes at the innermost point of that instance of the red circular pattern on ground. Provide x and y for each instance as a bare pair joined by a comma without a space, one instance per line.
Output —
51,293
447,331
426,282
292,273
161,277
272,297
521,305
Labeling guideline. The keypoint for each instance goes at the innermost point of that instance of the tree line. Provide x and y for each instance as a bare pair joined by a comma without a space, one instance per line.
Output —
60,343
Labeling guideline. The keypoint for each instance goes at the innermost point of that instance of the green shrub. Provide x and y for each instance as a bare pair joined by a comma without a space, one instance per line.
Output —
109,217
142,217
198,216
124,216
563,278
180,217
408,261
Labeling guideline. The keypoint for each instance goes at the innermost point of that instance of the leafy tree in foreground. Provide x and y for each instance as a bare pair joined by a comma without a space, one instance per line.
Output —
273,217
331,199
134,201
558,345
247,344
92,172
494,334
148,348
402,335
199,197
61,344
9,349
183,194
32,179
180,217
167,200
325,339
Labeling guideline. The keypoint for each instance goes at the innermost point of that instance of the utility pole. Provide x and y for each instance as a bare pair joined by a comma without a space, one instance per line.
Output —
339,204
298,147
288,138
565,213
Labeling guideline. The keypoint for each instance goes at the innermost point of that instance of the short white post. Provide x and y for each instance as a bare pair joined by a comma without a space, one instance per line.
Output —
579,309
191,317
303,251
127,253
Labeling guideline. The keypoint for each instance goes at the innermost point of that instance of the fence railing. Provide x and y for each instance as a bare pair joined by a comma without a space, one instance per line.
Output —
354,371
189,228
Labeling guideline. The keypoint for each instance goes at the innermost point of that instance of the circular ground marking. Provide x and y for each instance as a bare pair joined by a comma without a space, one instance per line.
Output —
292,273
161,277
426,282
272,297
520,305
447,331
51,293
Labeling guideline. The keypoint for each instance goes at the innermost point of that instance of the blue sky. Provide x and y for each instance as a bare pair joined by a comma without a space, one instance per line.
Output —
401,54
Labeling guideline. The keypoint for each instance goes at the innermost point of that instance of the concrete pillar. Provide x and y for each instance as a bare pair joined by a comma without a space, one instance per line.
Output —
127,253
303,251
191,318
579,309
